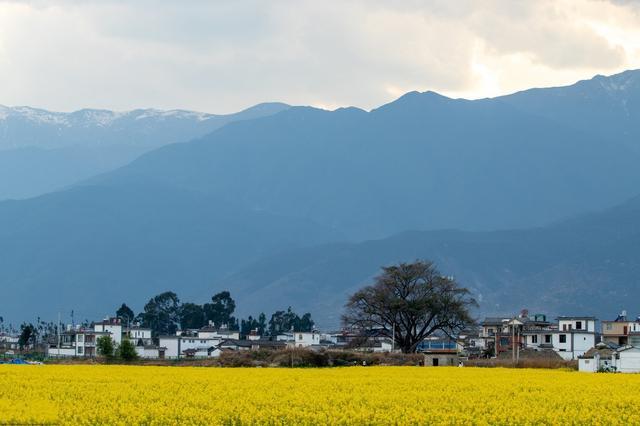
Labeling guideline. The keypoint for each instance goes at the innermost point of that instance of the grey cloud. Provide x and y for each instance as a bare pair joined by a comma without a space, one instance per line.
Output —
224,55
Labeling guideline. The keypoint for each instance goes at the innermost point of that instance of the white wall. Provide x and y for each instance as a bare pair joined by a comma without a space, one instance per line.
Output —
629,361
62,352
582,342
148,353
586,325
217,335
588,365
306,339
198,342
171,343
114,329
187,342
140,333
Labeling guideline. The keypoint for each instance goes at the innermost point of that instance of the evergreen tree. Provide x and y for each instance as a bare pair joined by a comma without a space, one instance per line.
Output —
127,351
125,314
191,316
221,309
105,347
162,313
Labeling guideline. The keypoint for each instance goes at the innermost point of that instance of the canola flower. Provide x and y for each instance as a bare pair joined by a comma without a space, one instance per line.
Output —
125,395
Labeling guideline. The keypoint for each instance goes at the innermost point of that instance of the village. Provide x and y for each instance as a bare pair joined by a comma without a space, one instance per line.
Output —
596,346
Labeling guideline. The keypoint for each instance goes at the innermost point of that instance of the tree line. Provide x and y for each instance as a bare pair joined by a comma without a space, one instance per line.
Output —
164,314
406,303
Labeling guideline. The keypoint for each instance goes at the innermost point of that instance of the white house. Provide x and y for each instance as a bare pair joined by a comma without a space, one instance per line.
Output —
81,342
602,357
329,338
151,352
574,337
629,360
76,342
211,332
9,341
303,339
112,326
190,346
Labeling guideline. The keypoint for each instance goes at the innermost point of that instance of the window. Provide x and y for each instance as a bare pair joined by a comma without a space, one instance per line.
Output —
80,338
609,326
563,338
79,350
578,325
534,339
547,338
299,336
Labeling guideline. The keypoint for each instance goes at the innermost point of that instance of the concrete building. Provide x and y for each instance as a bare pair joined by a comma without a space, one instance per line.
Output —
621,331
575,336
602,357
503,334
303,339
76,342
223,332
110,325
441,358
628,360
9,342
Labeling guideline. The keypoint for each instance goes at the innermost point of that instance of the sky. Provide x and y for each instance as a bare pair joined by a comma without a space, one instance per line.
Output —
222,56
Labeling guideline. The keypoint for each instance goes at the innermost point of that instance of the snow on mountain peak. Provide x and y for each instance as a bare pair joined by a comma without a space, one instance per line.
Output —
622,82
94,117
174,113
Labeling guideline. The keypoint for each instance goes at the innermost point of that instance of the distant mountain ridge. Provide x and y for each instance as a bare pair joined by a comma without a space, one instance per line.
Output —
588,265
450,163
606,106
42,151
33,127
185,216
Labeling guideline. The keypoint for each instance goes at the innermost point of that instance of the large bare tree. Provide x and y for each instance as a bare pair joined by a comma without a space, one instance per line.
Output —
413,300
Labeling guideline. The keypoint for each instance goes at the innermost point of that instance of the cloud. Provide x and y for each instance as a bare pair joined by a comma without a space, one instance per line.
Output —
225,55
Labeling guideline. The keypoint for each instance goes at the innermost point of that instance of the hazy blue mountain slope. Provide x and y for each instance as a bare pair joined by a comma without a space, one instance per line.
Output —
421,162
92,247
605,106
586,265
187,215
41,151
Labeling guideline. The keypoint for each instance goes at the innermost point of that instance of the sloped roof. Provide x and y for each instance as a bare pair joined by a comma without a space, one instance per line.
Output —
602,349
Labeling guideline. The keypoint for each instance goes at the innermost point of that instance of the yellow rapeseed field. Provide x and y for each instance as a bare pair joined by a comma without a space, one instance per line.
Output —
356,395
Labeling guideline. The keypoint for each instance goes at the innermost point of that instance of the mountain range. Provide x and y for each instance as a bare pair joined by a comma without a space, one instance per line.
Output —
300,206
587,265
42,151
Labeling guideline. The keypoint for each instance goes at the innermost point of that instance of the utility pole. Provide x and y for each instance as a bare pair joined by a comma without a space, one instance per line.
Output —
58,332
513,338
518,348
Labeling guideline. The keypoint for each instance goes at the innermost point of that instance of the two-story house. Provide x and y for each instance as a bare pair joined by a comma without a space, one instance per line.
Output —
575,336
621,331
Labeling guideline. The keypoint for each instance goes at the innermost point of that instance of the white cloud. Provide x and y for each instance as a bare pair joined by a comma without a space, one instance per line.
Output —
225,55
